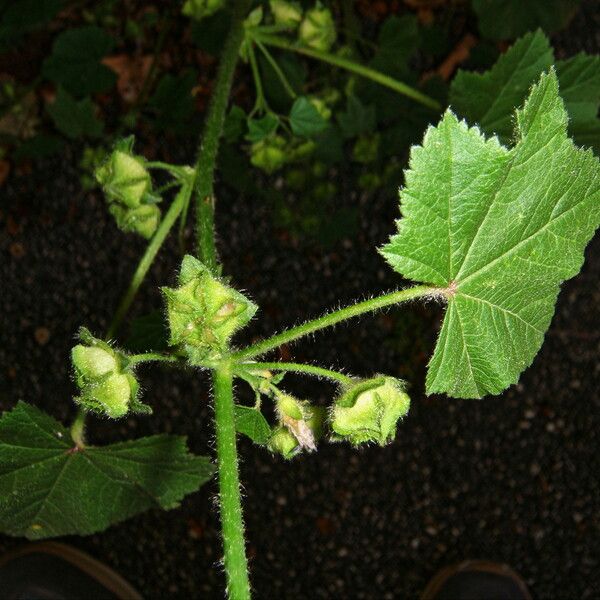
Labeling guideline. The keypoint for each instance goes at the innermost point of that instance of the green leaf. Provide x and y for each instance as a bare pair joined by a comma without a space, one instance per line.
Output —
49,488
579,79
507,19
172,101
305,119
498,230
357,118
259,129
488,98
74,118
252,423
397,41
75,61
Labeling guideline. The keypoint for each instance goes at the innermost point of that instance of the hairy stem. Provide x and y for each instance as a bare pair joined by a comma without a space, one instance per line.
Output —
150,254
78,429
353,67
207,153
236,565
296,368
335,317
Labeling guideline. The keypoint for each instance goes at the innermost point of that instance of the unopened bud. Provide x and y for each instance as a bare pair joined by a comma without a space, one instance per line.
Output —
317,29
287,14
369,411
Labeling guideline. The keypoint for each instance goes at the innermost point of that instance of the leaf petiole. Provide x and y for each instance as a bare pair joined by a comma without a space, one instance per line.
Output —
294,368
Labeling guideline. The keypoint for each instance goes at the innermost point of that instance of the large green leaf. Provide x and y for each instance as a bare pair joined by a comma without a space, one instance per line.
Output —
498,230
50,488
75,61
489,98
507,19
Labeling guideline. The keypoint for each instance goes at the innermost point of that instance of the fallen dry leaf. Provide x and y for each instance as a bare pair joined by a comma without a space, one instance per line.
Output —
131,71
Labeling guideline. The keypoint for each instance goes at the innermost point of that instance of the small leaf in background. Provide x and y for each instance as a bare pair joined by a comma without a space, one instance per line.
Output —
173,102
96,486
508,19
39,146
499,230
357,118
18,18
252,423
75,61
74,118
259,129
148,333
235,124
398,40
305,119
488,98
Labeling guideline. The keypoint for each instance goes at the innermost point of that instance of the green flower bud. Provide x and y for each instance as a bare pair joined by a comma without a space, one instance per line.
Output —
303,421
107,384
198,9
321,107
142,220
288,14
283,442
204,312
269,154
369,411
317,29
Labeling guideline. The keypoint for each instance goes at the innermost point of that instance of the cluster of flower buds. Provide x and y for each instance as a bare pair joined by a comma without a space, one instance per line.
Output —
199,9
204,312
128,188
269,154
369,411
105,379
317,29
300,426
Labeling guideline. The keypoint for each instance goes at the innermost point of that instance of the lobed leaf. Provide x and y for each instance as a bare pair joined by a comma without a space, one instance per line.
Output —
488,98
498,230
252,423
49,488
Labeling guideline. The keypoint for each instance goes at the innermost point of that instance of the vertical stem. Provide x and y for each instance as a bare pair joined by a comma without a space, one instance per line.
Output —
209,145
236,566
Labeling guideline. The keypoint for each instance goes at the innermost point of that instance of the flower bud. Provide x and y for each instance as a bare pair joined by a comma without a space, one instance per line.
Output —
284,443
107,384
302,421
128,188
369,411
317,29
288,14
198,9
269,154
203,312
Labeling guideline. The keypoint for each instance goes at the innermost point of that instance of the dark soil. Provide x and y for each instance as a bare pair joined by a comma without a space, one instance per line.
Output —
512,478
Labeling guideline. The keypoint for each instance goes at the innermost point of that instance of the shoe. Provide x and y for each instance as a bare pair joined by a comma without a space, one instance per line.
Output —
476,580
52,571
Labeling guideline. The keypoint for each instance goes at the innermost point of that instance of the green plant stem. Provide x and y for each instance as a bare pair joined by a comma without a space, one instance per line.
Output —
236,566
280,74
150,254
297,368
207,153
335,317
353,67
151,357
78,429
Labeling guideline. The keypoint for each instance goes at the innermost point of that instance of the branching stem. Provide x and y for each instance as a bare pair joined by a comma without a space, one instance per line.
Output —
332,318
349,65
296,368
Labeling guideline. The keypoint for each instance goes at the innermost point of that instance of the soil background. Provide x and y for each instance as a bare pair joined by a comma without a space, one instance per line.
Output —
512,478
